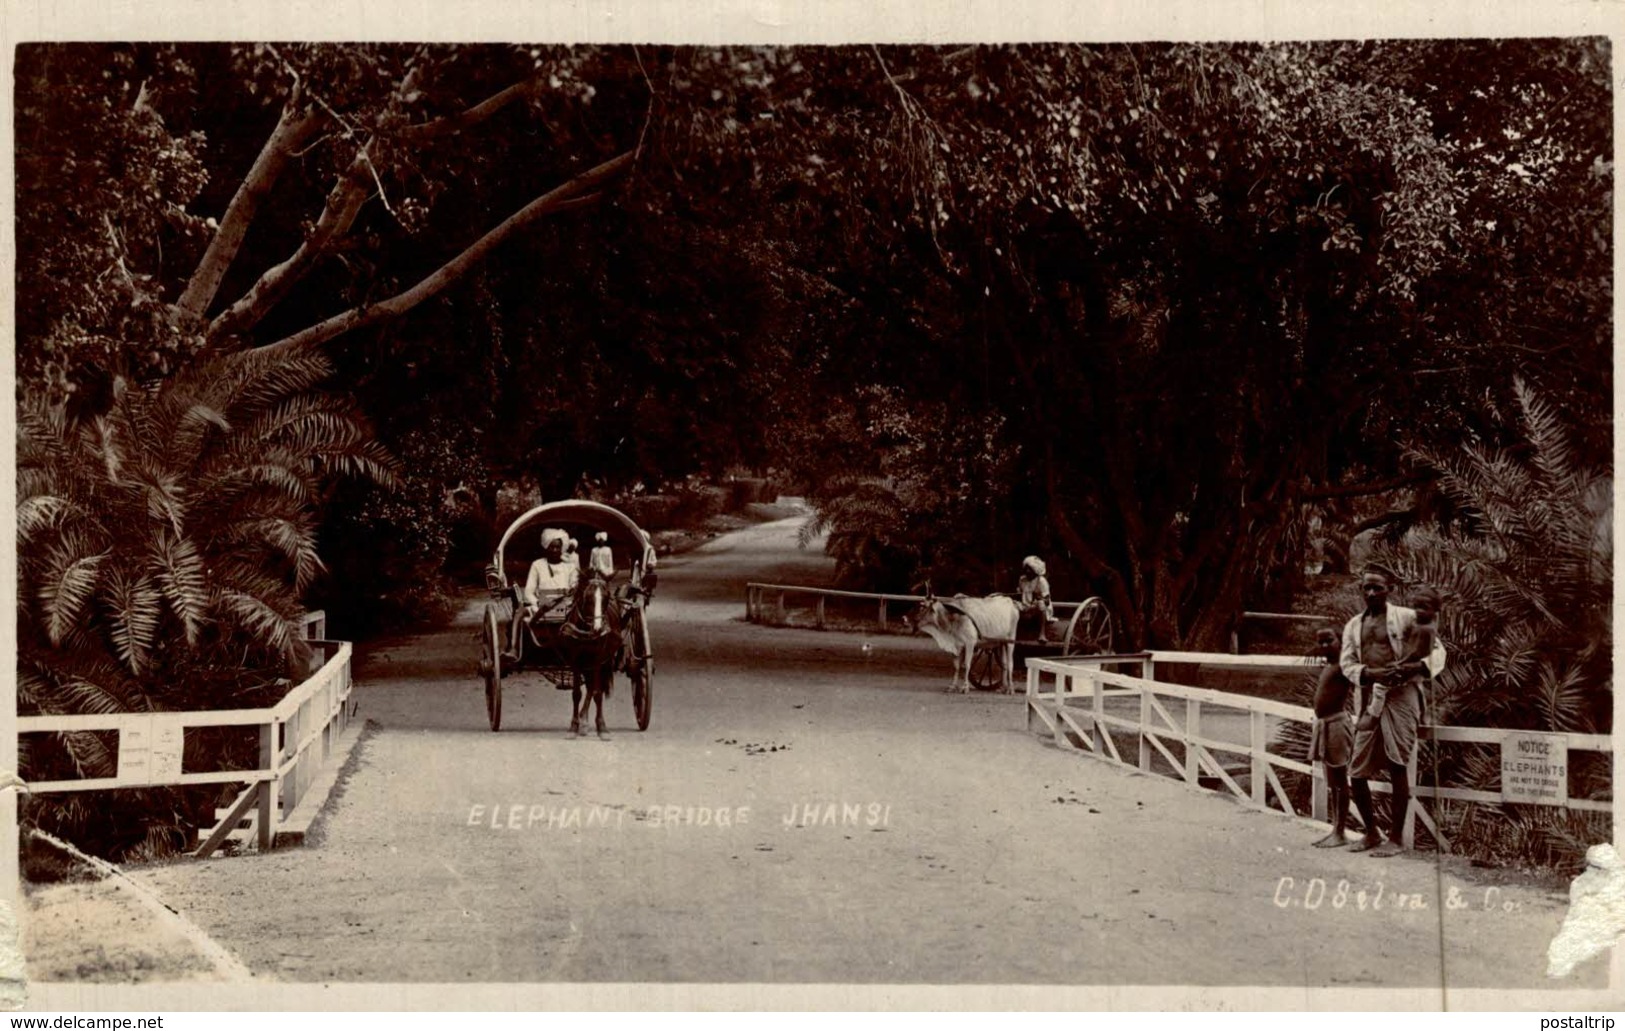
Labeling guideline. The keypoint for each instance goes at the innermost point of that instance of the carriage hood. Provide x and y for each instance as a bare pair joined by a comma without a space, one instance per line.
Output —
597,515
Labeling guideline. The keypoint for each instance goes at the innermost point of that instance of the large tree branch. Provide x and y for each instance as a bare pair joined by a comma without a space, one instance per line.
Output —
456,123
339,213
296,125
344,202
573,194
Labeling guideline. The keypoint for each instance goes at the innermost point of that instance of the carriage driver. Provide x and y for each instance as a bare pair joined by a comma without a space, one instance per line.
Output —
553,578
1034,593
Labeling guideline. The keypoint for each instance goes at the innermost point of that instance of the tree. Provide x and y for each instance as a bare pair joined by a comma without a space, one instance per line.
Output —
164,547
358,123
1206,278
1526,570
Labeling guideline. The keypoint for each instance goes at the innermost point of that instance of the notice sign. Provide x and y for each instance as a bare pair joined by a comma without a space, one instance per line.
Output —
135,751
149,750
1535,768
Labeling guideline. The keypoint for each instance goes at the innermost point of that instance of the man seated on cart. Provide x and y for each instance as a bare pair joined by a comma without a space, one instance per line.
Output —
548,588
1033,595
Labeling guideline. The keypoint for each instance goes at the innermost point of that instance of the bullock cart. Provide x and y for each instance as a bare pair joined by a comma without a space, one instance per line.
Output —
580,640
1087,632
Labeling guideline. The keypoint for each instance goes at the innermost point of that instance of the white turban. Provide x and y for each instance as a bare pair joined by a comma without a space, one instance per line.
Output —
1034,565
552,534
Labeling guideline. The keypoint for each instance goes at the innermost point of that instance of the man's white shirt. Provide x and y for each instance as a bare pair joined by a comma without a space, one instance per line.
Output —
550,579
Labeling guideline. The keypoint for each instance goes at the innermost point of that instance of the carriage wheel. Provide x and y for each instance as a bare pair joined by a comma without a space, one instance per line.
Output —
986,669
643,694
491,668
1090,631
640,667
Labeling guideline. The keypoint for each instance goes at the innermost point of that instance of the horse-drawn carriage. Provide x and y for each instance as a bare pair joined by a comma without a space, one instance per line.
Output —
583,638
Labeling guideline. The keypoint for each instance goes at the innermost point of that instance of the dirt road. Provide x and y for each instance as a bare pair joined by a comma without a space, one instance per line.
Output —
805,810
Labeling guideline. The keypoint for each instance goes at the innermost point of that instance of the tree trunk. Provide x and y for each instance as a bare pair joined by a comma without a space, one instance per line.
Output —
563,198
343,204
295,126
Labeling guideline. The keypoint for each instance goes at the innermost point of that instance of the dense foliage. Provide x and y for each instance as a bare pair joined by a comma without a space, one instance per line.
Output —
1163,313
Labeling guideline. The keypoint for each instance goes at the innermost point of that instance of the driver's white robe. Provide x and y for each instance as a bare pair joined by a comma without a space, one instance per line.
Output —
550,580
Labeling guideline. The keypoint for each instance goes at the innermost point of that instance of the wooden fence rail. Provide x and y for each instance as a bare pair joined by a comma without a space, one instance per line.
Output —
296,737
1188,733
767,603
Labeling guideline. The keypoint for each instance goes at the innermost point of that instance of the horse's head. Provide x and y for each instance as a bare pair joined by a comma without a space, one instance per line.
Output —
592,614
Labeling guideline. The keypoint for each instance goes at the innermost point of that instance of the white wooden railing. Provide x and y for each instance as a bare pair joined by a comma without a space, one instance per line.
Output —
767,603
1182,732
297,736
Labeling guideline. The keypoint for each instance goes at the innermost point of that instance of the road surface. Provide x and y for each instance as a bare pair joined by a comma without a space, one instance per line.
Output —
805,809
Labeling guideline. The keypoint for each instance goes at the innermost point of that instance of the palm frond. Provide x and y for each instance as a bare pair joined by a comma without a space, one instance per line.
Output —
1561,697
268,471
263,623
40,512
182,581
75,688
163,496
365,460
307,423
104,444
41,434
292,538
258,380
1553,454
134,610
90,757
65,589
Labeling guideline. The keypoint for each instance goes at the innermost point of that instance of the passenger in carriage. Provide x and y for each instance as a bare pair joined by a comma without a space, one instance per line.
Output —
552,579
601,559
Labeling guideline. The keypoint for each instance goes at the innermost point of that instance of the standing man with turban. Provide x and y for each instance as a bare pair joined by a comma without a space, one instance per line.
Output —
1385,736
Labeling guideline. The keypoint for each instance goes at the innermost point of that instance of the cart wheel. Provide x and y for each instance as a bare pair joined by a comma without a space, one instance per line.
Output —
640,667
643,694
491,668
986,669
1090,631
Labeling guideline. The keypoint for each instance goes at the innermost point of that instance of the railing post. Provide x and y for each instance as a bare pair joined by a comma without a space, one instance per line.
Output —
782,618
1145,720
1193,730
1063,683
267,788
1097,699
882,612
1407,819
820,615
1256,753
1318,809
1032,694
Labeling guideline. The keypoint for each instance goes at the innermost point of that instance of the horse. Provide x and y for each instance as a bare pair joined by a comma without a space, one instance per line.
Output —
591,639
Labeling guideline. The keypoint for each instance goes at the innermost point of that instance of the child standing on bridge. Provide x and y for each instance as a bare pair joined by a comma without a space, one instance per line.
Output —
1331,740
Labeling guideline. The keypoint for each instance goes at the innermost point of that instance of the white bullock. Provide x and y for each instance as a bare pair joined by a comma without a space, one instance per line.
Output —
959,624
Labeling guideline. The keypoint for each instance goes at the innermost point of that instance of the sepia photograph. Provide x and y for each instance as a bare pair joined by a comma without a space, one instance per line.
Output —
770,519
